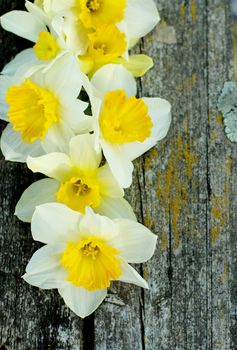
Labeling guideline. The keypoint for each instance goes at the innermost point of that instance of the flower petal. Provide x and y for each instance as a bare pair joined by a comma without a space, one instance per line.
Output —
16,150
55,223
40,192
55,165
81,301
96,225
109,185
113,77
83,154
26,58
119,163
138,65
132,239
64,77
160,113
57,138
130,275
116,208
23,24
5,83
44,269
141,17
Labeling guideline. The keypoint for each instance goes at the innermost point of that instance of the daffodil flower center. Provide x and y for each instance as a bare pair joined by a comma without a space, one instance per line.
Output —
79,192
124,119
106,44
91,263
46,47
93,5
93,13
32,110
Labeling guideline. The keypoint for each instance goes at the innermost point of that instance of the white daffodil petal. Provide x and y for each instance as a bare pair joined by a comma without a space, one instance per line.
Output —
141,17
26,57
130,275
113,77
40,192
160,112
138,65
132,239
23,24
57,138
37,12
81,301
55,165
116,208
64,77
76,36
5,83
55,223
136,149
97,225
16,150
73,115
83,153
120,165
44,269
108,184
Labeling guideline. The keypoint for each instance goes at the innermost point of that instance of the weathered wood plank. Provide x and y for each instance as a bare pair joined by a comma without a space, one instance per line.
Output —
29,318
191,275
184,190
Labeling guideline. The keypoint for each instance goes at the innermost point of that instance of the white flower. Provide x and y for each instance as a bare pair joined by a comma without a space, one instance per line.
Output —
102,31
43,110
48,34
137,16
77,180
85,253
127,126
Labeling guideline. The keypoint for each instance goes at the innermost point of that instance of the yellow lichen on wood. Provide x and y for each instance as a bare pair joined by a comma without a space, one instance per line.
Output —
219,118
191,160
182,11
193,10
219,215
164,241
172,192
225,275
194,79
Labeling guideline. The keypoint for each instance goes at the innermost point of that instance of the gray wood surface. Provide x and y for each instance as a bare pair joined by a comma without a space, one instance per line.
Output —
184,190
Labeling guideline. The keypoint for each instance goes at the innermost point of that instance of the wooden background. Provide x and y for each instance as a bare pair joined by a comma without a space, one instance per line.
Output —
184,190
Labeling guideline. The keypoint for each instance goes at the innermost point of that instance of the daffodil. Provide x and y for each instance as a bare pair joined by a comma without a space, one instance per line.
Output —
42,110
111,28
76,180
84,254
137,16
48,34
126,126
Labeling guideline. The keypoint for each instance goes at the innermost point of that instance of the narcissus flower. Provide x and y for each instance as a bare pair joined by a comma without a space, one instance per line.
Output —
43,110
84,254
77,180
99,31
47,33
126,126
137,16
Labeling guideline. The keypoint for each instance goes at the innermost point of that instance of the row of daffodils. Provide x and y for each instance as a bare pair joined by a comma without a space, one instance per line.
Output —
73,115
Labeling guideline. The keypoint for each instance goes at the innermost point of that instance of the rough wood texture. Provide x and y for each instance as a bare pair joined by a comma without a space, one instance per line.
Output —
184,190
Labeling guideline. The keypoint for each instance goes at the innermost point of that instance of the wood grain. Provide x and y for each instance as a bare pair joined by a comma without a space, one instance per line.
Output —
184,190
